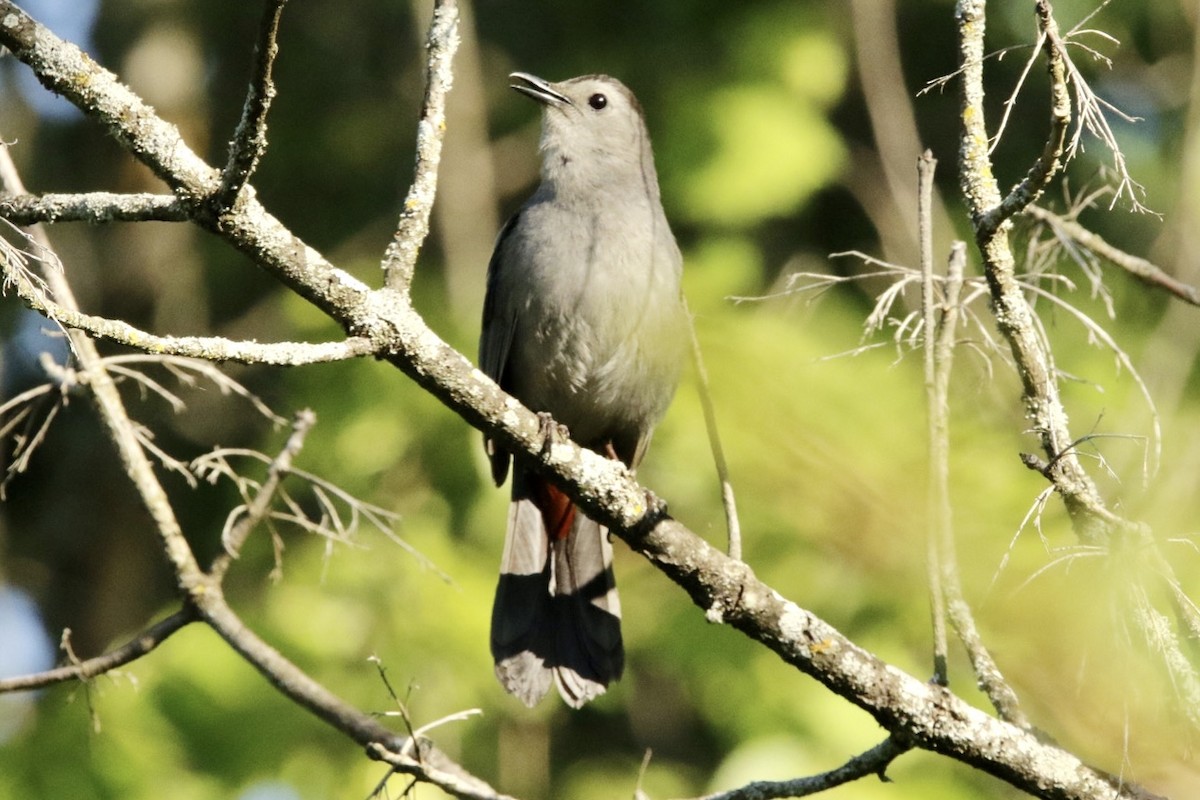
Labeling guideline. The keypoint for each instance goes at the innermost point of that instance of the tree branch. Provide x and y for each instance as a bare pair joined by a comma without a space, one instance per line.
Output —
257,509
209,348
1072,234
250,139
400,258
1094,523
873,762
93,207
132,650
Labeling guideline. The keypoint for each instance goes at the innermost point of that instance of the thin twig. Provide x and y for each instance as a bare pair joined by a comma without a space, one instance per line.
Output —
208,348
135,648
122,430
92,207
872,762
400,258
250,139
987,673
937,414
1071,233
732,524
256,510
434,767
1049,162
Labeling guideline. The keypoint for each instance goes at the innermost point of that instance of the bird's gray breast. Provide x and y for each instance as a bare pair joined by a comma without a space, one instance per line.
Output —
598,338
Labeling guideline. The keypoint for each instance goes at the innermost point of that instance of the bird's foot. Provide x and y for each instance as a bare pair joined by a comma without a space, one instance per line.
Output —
552,432
656,507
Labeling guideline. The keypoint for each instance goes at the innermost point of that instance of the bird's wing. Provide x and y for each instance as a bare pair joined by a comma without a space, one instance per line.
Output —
496,335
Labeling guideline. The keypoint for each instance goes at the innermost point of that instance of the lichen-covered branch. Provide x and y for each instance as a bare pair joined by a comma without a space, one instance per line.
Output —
1093,522
400,258
209,348
93,207
250,139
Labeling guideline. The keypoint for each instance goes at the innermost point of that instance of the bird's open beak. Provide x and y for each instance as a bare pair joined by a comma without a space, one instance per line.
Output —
540,90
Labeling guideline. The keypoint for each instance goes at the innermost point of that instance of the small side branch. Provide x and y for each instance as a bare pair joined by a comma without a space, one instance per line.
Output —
1048,164
937,412
400,258
209,348
258,508
121,429
250,139
873,762
1072,234
425,763
132,650
94,207
732,524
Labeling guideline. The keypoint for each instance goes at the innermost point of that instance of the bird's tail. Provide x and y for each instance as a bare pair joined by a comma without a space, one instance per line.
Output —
556,615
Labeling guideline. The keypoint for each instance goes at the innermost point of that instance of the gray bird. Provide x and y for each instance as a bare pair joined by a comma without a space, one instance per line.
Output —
583,320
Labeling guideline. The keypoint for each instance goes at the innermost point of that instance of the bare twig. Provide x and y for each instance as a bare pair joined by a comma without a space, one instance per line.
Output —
937,418
121,428
400,258
434,767
1093,114
872,762
250,139
135,648
256,509
93,207
1073,235
208,348
1049,162
732,524
21,410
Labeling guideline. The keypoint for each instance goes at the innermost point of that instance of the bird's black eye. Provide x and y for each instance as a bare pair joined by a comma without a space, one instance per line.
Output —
597,101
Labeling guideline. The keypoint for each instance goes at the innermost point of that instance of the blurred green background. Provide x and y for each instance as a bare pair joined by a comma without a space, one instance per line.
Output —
784,132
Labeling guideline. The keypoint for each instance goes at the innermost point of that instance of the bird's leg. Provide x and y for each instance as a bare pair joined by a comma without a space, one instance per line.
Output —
552,432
